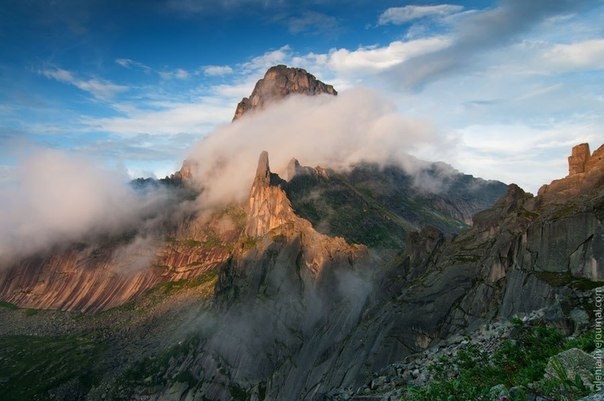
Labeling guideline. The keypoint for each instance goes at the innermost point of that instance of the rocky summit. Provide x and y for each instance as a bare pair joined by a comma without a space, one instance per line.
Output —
322,285
279,82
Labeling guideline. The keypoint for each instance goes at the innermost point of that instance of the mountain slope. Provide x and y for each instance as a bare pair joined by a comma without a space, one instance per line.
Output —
298,314
369,205
378,206
308,288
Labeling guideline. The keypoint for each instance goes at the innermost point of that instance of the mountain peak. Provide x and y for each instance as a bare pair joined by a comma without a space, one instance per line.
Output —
280,81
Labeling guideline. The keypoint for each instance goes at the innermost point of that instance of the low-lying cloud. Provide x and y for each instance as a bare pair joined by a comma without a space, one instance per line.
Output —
331,131
57,198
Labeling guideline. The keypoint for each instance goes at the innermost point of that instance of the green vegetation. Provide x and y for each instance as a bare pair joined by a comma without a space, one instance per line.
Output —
237,214
519,362
378,206
249,242
191,243
8,305
206,279
35,368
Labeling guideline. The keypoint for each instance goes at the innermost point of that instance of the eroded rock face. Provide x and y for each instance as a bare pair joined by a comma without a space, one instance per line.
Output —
279,82
578,159
268,204
586,172
105,273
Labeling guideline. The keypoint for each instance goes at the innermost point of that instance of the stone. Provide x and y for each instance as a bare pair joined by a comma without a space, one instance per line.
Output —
498,392
268,205
279,82
578,159
594,397
580,319
571,363
521,393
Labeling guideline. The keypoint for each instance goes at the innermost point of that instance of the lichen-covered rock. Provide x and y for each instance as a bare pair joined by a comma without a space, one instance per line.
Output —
571,363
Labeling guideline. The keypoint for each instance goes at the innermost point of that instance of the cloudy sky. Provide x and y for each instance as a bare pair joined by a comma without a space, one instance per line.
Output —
508,86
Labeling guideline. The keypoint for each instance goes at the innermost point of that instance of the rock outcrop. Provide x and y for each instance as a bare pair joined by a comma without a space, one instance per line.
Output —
278,82
578,159
268,204
585,173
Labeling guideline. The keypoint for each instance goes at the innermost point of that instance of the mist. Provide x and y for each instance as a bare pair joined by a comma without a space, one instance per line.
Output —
59,198
331,131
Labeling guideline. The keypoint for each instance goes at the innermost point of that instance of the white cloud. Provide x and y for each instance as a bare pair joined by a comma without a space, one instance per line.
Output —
178,73
334,131
373,59
99,88
474,36
401,15
585,55
267,60
59,198
312,21
129,63
170,119
529,156
217,70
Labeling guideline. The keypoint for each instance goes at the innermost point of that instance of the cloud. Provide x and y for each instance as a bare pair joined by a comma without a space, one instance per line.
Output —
167,75
312,22
167,118
129,63
527,155
476,33
217,70
57,198
584,55
401,15
334,131
374,59
267,60
193,7
178,73
98,88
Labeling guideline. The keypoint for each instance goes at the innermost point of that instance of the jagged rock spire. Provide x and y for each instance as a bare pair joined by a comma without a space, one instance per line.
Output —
269,206
279,82
263,171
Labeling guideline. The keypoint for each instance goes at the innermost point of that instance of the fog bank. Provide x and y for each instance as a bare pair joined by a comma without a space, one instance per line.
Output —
331,131
58,198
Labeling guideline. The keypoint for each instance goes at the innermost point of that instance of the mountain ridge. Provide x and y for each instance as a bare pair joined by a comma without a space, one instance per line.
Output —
271,299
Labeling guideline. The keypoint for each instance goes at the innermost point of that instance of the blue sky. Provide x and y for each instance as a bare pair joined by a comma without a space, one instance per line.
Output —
509,86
